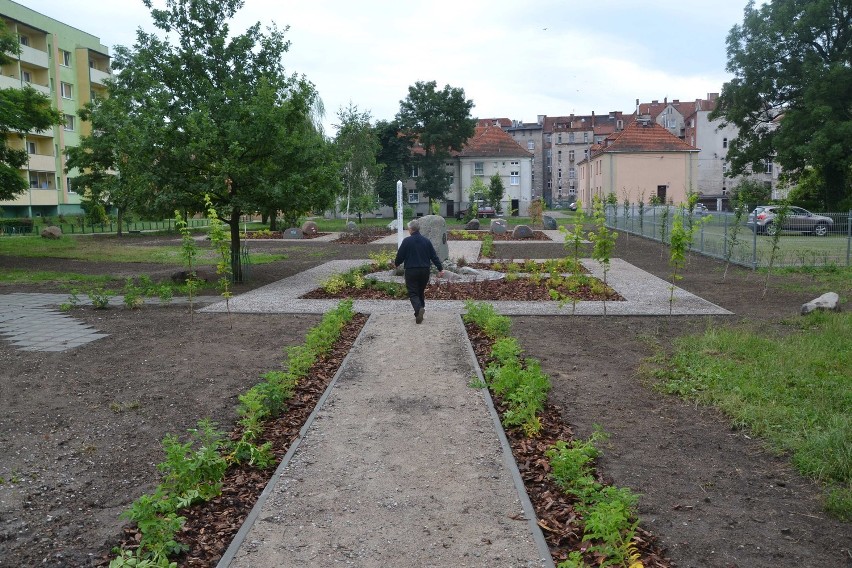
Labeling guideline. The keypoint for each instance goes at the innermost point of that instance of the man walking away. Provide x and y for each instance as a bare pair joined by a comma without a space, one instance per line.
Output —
416,252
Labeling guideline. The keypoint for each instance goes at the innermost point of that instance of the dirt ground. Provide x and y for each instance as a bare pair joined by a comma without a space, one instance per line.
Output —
80,431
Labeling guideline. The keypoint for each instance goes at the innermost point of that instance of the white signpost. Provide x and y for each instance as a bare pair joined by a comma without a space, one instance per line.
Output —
398,214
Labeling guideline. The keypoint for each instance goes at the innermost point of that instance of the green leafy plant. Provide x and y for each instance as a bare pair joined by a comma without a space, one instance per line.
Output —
132,294
221,242
732,237
100,297
72,302
189,250
487,245
603,241
778,222
680,239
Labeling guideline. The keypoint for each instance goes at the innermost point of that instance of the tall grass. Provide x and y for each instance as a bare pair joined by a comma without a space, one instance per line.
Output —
795,391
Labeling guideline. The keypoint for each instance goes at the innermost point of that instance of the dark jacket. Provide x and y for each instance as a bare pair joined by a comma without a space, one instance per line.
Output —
416,251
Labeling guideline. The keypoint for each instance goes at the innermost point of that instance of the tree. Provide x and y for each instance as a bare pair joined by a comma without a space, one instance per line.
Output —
217,115
357,147
440,121
394,158
21,110
791,92
750,192
109,178
496,190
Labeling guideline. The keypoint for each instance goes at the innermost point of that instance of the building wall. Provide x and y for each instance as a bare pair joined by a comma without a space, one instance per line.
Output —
69,66
636,176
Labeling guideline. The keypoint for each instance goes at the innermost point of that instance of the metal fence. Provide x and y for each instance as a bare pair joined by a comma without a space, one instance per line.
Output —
719,234
11,228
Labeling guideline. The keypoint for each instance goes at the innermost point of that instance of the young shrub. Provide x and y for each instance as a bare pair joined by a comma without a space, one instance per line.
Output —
603,240
221,242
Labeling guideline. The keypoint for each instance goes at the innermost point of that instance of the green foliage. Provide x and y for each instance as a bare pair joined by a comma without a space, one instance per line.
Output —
775,232
188,252
496,190
394,159
99,297
441,122
790,66
680,241
603,240
221,242
357,146
487,245
484,316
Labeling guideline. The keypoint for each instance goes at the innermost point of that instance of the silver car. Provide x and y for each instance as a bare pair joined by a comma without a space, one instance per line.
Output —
763,220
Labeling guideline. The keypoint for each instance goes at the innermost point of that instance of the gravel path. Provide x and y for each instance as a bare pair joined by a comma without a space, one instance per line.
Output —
402,466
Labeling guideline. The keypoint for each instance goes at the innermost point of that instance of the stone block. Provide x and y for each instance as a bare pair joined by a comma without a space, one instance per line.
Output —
293,233
499,226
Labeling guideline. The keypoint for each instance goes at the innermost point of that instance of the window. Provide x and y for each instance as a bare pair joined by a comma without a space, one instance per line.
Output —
769,167
661,193
619,124
585,154
413,197
25,40
479,168
725,167
571,155
559,156
415,171
26,76
69,121
559,173
66,90
559,138
585,137
570,137
40,180
31,147
65,58
724,142
530,144
69,186
514,177
548,138
572,173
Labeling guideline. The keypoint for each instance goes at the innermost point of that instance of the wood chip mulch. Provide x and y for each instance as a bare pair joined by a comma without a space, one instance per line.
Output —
364,236
557,518
519,290
507,236
278,235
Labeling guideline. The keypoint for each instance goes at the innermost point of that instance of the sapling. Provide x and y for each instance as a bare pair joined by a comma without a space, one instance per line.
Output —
778,222
641,209
732,238
603,240
221,242
664,228
188,251
680,239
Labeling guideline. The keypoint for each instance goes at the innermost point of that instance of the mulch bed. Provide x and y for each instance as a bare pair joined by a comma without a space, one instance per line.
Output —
554,508
507,236
363,236
519,290
272,235
211,526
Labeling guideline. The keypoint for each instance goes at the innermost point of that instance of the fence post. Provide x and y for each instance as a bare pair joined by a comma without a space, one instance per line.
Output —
848,237
754,245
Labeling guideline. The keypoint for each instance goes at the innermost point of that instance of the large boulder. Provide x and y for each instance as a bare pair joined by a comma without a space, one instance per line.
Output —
434,228
522,232
549,223
310,228
499,226
293,233
472,225
51,232
351,227
829,301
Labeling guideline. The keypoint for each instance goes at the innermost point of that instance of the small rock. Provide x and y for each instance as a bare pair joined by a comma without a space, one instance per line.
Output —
522,232
310,228
829,301
472,225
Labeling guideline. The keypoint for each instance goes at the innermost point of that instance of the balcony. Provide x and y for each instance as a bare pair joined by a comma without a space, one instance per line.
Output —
34,57
42,162
98,77
15,83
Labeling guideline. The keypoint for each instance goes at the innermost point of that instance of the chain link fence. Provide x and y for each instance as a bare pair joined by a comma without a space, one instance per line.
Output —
744,240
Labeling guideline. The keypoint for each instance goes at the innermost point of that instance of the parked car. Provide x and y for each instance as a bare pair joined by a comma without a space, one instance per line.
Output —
700,210
764,220
572,206
482,210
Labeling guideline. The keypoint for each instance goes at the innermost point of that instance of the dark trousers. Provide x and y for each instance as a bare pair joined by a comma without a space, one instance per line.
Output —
416,280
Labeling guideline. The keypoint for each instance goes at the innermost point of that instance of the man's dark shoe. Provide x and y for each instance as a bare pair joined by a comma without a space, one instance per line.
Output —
418,317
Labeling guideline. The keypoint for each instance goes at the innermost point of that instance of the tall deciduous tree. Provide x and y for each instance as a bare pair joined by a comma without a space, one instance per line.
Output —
395,159
441,123
217,113
21,110
496,190
357,147
791,95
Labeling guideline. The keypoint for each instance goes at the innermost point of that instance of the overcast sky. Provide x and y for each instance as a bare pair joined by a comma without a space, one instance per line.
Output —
513,59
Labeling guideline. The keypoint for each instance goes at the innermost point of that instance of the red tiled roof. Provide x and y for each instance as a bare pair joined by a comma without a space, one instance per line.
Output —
488,141
501,122
643,137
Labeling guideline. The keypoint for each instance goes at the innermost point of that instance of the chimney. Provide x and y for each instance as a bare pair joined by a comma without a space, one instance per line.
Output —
540,119
712,96
665,100
675,101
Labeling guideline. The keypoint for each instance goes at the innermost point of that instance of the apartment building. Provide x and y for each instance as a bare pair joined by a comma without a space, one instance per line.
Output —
713,139
489,151
71,67
530,135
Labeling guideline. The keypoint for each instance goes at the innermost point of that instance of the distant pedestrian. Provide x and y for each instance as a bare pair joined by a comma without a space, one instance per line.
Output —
415,253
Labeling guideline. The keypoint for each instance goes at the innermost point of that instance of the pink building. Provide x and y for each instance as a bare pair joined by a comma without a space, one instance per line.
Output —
639,162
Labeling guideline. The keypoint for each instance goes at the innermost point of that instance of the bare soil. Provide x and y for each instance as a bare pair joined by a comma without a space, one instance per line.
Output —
80,431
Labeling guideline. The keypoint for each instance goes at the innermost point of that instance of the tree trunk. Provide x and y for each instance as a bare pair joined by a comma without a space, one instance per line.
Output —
119,217
273,220
236,264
